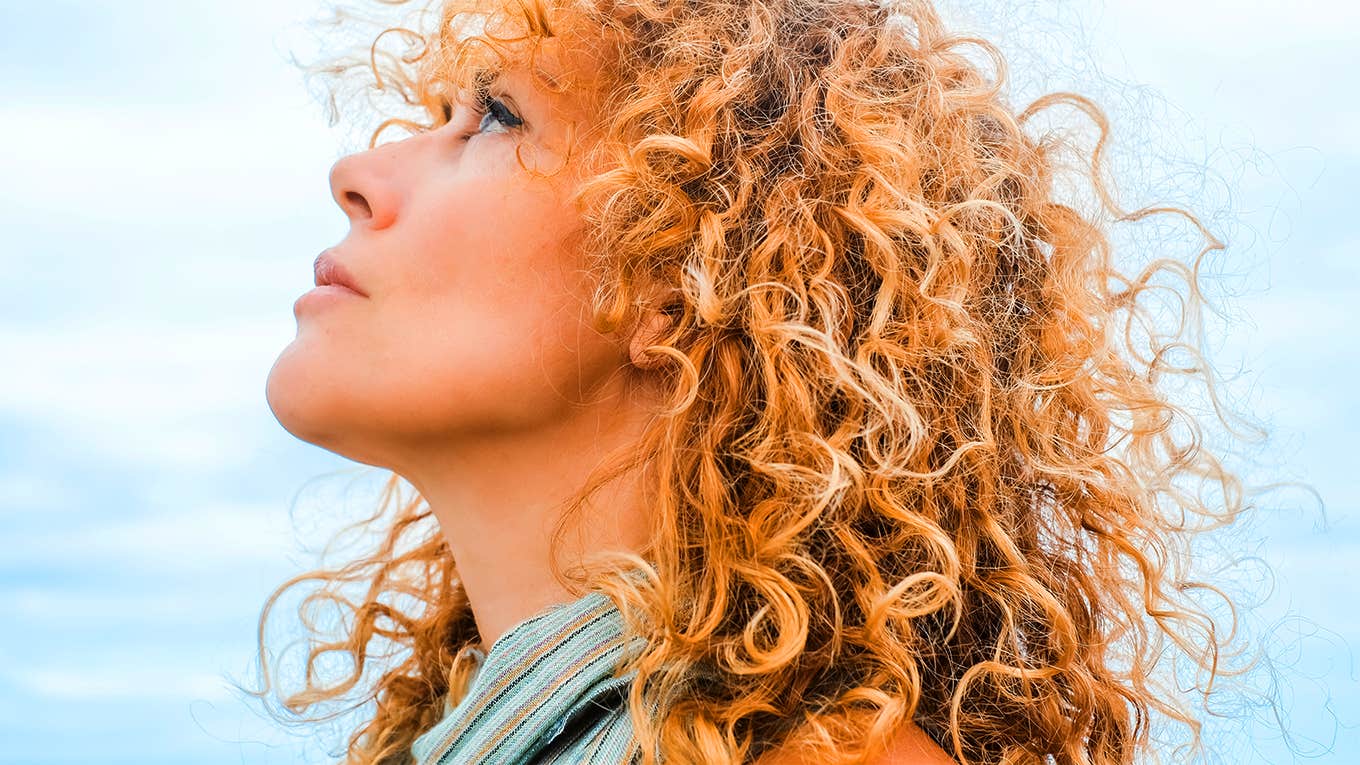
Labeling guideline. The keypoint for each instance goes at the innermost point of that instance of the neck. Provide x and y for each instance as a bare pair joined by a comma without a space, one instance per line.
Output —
497,497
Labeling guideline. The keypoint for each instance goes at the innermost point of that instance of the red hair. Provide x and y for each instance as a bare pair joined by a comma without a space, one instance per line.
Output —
921,459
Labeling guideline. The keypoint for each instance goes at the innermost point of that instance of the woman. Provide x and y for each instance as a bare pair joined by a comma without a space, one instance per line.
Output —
764,403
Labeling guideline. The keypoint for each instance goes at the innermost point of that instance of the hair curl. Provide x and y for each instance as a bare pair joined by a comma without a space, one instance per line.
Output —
919,461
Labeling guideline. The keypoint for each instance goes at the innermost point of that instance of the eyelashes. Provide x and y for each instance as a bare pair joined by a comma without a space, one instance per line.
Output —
489,109
494,107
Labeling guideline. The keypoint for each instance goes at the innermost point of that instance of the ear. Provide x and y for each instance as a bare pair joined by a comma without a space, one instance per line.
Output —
649,330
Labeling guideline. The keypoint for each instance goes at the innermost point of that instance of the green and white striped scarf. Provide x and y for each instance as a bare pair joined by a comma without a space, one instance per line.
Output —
545,694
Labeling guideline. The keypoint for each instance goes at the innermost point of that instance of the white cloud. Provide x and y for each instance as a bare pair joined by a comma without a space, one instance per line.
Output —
147,166
1258,74
131,681
196,537
33,493
59,607
174,396
1243,31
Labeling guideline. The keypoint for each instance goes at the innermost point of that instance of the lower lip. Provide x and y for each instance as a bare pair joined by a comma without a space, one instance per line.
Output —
326,293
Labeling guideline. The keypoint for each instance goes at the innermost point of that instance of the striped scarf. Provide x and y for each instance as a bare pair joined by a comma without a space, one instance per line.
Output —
545,693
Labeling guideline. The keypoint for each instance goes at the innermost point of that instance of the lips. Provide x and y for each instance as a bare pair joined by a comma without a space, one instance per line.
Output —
329,272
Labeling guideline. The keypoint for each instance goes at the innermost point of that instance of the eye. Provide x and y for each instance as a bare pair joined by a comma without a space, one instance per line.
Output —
495,109
490,111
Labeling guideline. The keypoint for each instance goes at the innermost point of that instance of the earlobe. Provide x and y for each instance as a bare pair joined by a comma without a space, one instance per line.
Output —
648,332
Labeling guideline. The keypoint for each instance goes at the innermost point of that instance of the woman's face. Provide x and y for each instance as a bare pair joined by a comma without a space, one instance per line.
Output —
476,315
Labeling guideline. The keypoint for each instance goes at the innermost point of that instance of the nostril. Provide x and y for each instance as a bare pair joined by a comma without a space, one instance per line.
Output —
357,200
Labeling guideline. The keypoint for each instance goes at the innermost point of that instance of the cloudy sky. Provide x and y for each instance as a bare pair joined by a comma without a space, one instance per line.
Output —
165,191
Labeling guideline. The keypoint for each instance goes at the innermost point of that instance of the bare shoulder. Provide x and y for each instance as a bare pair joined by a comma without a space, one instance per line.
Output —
911,746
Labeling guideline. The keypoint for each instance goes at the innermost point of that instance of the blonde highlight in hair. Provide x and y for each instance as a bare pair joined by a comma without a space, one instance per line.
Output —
918,461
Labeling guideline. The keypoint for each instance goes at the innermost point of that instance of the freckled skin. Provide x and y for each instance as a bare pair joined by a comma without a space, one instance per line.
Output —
475,319
472,369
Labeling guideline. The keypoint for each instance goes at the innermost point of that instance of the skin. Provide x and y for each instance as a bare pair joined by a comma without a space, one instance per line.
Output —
911,746
470,368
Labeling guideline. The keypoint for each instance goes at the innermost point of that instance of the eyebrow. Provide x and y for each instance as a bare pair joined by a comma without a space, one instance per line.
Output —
503,77
545,74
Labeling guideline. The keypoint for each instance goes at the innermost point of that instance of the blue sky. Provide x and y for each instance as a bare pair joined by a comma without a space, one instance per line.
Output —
166,191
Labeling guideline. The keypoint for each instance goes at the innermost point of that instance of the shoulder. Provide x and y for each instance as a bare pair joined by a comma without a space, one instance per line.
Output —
911,746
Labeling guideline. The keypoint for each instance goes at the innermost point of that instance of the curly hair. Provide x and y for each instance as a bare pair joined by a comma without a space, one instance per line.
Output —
919,460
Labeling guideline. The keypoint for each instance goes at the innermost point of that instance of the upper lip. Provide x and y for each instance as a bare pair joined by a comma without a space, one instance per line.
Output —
329,271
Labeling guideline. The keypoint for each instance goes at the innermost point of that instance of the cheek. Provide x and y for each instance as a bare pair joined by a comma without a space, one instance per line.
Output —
495,328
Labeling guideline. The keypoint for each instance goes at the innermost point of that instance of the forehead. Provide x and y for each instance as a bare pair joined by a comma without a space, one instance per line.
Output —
543,72
558,70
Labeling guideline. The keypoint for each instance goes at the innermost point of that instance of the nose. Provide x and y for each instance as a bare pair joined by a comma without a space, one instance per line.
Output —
363,184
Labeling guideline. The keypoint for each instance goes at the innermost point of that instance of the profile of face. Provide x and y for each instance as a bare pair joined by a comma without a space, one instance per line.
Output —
474,315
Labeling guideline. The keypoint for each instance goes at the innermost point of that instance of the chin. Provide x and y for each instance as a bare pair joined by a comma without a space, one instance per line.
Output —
297,402
286,397
316,403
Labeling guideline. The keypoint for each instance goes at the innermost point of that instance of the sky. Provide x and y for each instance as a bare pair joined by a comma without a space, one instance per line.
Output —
165,193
